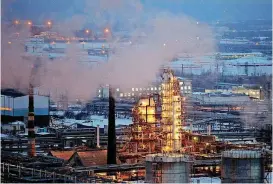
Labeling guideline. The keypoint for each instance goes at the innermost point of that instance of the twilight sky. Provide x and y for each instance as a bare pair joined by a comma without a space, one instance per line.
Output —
203,10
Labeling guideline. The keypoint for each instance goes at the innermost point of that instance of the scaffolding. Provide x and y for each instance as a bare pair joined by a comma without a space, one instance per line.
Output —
145,128
158,121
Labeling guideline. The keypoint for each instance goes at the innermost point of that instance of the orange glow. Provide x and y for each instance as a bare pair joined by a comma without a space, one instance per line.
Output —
29,23
5,109
106,30
9,42
49,23
16,21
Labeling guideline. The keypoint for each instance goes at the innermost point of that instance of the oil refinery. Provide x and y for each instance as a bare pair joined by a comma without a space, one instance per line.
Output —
95,100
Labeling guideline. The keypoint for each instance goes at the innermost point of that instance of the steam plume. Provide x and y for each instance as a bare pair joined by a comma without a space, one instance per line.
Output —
131,65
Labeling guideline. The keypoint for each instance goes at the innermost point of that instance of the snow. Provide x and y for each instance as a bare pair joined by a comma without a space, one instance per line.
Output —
58,113
95,120
43,133
4,136
208,62
206,180
17,123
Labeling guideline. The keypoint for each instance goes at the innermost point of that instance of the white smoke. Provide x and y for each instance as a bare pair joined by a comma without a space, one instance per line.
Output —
132,65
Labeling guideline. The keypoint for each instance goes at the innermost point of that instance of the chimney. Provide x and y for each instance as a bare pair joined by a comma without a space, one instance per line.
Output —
31,132
98,136
111,150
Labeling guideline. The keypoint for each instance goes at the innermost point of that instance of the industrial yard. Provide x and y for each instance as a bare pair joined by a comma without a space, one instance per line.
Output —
101,103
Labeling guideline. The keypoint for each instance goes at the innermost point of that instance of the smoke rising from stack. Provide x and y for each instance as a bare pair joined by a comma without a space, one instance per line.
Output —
131,65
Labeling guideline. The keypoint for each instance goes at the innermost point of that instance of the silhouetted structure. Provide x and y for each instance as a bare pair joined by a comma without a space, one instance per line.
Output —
111,151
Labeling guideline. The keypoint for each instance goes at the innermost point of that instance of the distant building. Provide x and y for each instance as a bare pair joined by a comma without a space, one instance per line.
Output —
135,92
252,92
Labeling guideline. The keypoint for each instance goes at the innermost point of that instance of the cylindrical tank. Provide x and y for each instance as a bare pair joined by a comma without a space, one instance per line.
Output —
168,168
242,166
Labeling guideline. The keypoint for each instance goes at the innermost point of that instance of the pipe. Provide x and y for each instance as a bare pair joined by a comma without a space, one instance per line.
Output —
98,136
31,132
209,129
111,149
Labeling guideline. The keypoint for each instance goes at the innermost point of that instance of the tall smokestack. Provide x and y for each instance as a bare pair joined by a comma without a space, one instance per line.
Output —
31,132
111,151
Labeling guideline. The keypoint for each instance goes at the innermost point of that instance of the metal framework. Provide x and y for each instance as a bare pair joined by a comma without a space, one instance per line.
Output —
172,113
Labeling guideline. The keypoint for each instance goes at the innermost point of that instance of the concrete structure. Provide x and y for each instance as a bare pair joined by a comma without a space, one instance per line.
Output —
167,168
242,166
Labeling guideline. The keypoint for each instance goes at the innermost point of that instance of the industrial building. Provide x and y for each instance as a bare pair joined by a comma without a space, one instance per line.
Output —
185,87
253,92
16,109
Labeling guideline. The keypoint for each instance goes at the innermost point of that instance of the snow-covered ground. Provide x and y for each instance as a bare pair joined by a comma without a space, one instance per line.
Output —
206,180
94,120
208,62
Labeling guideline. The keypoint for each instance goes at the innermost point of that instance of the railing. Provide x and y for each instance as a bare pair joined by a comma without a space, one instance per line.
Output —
31,173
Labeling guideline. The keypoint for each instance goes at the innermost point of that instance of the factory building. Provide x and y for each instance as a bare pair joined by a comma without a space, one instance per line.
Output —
185,86
16,109
253,92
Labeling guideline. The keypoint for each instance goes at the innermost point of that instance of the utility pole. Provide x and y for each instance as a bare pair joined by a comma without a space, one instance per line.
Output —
182,70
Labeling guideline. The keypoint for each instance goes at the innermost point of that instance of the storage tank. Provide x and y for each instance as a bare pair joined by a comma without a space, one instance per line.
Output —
242,166
168,168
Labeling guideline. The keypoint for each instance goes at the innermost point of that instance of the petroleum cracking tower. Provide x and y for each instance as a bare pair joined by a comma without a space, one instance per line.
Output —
172,112
171,166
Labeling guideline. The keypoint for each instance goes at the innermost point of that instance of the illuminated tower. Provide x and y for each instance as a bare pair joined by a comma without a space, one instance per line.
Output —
171,112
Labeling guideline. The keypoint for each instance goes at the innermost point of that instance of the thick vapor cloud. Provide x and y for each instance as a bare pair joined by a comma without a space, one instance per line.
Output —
134,64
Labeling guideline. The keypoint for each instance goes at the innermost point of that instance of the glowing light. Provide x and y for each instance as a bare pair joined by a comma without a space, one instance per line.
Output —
16,21
197,23
164,44
106,30
5,109
86,31
49,23
9,42
29,23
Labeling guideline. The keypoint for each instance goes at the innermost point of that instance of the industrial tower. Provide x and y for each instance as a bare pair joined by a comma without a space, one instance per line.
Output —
172,120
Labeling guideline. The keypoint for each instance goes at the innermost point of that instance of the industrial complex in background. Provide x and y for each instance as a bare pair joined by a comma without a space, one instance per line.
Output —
188,126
